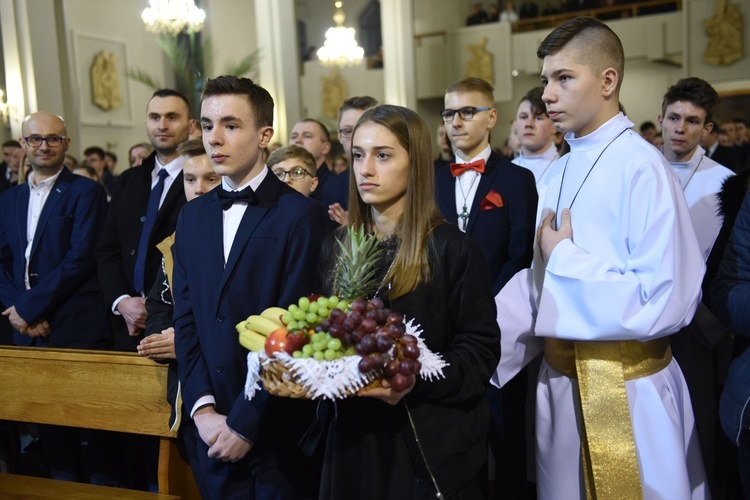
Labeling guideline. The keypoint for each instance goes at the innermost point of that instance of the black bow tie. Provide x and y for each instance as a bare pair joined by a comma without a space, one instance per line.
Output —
228,198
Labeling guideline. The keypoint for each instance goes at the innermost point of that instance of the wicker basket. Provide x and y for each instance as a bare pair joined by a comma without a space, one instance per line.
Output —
279,380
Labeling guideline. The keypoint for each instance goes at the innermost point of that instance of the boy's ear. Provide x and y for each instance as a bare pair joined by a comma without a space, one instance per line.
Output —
610,79
314,184
266,134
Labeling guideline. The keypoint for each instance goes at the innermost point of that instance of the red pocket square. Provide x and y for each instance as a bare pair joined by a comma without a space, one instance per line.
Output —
492,200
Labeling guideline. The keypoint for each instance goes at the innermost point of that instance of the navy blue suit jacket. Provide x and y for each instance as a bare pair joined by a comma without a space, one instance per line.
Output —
505,234
273,261
65,290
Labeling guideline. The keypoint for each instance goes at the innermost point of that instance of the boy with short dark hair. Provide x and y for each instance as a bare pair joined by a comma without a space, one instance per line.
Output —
617,270
248,245
535,131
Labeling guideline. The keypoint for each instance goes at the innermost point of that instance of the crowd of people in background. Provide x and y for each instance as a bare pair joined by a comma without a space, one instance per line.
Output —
585,239
511,11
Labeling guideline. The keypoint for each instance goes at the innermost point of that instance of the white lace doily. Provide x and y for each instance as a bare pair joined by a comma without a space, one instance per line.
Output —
333,379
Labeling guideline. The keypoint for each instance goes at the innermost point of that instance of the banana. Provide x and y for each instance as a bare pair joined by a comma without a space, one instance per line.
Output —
274,314
241,326
252,341
262,325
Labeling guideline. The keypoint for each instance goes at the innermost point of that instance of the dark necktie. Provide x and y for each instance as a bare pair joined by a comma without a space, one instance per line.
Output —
459,168
228,198
148,225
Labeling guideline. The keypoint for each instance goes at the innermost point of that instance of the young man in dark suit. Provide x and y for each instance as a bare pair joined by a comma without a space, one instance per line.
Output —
494,202
143,211
250,244
48,284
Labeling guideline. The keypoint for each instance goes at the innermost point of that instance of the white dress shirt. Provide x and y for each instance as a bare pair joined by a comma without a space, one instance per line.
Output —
38,194
467,184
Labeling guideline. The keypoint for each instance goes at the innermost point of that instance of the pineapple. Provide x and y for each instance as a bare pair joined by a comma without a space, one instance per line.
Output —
356,274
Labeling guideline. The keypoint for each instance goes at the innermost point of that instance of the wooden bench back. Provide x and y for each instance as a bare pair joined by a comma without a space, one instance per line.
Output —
113,391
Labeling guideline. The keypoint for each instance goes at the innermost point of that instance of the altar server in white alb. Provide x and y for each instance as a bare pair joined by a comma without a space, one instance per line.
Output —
617,268
687,110
535,131
686,115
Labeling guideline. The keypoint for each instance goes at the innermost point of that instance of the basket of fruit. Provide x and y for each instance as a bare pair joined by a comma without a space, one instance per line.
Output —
331,347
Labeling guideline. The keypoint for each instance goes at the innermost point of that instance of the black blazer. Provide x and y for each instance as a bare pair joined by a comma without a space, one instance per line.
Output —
505,234
118,245
728,157
272,262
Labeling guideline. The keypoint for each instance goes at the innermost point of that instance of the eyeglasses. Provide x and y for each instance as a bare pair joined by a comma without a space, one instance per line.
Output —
296,174
36,141
466,113
346,133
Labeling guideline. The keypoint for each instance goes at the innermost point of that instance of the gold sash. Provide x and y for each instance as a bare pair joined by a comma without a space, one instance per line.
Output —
609,459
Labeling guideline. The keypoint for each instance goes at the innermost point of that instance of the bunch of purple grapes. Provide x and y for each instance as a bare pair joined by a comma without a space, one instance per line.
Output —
374,329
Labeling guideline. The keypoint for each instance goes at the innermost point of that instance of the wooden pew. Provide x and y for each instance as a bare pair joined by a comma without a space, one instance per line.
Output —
105,390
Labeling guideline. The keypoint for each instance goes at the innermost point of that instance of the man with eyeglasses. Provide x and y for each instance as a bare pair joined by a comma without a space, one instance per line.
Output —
313,136
349,115
49,289
494,202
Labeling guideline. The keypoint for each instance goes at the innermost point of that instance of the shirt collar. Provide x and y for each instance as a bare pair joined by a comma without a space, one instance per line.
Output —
254,183
483,155
173,168
46,183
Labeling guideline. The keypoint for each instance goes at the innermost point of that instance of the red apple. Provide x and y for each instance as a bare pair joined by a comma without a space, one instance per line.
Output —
295,340
276,341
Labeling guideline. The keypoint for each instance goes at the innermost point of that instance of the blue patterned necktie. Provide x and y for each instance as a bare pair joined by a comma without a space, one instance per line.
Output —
148,225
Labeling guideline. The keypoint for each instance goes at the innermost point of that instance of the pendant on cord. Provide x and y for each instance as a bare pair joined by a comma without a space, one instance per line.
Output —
464,216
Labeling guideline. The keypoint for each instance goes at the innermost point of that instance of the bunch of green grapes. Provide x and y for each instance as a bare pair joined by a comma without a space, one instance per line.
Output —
324,347
306,313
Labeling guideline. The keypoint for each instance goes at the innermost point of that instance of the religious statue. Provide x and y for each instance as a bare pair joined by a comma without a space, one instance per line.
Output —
105,82
724,32
335,92
480,63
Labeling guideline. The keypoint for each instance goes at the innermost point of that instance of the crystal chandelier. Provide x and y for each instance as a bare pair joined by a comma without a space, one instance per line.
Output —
173,17
340,48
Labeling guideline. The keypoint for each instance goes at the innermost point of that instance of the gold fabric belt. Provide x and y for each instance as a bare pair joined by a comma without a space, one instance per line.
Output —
608,457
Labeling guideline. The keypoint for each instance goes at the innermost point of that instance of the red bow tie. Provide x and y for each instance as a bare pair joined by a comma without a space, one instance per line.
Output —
459,168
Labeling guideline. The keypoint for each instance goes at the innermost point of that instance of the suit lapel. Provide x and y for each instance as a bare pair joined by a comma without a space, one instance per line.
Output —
23,214
267,194
175,191
55,194
488,177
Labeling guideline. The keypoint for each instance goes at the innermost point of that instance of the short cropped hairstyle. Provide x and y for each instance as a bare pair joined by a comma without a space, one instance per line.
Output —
359,102
293,152
171,93
600,48
698,92
473,85
111,155
260,100
11,144
191,148
323,128
647,125
94,150
740,121
534,96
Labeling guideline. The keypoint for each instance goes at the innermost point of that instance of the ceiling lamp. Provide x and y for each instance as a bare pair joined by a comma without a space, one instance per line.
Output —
173,17
340,48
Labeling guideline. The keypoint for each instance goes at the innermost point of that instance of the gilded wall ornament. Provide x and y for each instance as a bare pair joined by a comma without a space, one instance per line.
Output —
724,31
334,93
105,82
480,63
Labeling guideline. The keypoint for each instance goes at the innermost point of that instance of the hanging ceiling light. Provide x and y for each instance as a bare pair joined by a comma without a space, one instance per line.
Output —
173,17
340,48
